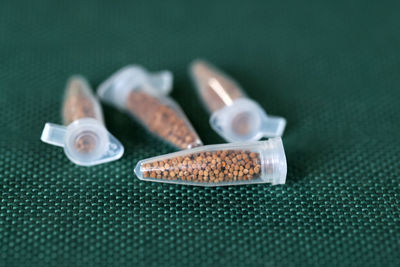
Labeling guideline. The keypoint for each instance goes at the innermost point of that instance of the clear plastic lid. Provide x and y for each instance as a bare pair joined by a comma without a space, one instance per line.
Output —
144,96
85,140
234,117
219,165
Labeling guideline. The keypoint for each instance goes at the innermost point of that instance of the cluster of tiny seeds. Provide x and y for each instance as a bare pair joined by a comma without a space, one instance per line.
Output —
207,167
162,119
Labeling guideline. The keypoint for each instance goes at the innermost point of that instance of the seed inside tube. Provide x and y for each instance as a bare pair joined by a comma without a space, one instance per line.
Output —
162,118
219,165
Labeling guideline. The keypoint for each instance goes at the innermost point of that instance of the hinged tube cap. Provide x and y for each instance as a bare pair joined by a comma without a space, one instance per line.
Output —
244,120
86,141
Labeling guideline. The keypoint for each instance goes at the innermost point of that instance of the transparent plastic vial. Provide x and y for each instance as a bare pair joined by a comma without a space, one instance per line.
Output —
234,116
219,165
144,95
83,136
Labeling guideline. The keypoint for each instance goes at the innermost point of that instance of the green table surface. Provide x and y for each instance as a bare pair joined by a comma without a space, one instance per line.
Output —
332,68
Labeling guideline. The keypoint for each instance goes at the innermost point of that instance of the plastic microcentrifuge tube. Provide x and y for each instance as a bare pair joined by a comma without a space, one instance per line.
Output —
144,95
235,117
83,136
219,165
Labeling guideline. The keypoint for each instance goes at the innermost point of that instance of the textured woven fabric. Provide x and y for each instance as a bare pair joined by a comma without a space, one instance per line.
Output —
331,68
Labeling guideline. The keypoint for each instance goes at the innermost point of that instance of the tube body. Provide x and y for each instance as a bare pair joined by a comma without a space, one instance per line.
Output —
234,116
83,136
219,165
79,102
215,88
163,117
144,95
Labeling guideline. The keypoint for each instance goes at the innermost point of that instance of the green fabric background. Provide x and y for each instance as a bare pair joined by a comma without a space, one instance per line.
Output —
332,68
